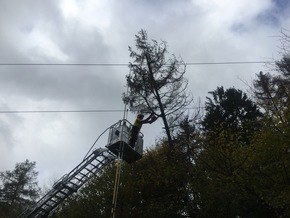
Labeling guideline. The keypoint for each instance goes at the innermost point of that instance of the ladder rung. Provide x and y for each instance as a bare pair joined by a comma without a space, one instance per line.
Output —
70,188
58,197
74,184
92,165
84,175
70,183
64,193
48,203
53,200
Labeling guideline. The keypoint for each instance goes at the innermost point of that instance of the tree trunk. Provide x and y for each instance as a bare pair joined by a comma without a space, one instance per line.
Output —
158,98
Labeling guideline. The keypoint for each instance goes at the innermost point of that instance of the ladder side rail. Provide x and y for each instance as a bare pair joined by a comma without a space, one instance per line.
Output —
94,171
83,164
98,168
56,187
79,179
106,157
31,210
101,158
51,204
79,168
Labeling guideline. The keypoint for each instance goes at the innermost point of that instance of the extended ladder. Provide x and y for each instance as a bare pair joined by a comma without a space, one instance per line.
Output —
119,134
70,183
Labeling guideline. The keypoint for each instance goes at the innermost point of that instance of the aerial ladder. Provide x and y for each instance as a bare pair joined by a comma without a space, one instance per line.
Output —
92,165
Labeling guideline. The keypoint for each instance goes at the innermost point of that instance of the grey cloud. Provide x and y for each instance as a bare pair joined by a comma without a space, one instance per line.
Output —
17,17
193,32
72,84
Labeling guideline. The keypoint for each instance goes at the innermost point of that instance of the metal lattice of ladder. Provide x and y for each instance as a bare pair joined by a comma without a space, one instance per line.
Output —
70,183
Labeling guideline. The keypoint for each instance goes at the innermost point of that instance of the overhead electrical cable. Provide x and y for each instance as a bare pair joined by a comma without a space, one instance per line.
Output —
59,111
125,65
74,111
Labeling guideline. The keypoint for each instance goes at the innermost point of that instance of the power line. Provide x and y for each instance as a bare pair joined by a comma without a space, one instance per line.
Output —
73,111
62,64
58,111
230,62
123,65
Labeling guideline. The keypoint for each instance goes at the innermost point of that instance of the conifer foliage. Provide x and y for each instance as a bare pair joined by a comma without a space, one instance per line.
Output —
156,83
19,188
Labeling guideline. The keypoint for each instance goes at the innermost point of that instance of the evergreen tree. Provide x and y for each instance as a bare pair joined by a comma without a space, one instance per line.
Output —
19,188
271,159
229,126
156,83
233,111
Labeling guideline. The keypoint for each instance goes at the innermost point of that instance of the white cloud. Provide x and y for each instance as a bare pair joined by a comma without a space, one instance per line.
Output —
39,46
90,13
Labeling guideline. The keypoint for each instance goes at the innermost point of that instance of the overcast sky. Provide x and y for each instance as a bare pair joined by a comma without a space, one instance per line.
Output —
95,31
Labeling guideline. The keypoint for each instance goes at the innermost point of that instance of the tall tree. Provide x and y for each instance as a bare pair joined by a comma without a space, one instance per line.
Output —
271,159
273,94
156,84
19,188
272,90
233,111
268,169
229,124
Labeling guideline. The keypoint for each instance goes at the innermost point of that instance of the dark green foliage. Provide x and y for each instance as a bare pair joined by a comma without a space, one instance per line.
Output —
19,189
231,110
271,161
231,122
273,94
269,168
